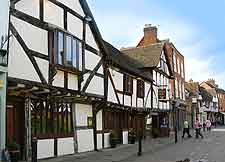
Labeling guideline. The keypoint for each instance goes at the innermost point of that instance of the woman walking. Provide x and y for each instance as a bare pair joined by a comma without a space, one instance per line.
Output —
198,128
208,125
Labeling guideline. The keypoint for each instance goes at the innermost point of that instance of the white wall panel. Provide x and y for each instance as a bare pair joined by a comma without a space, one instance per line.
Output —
106,140
82,113
120,98
29,7
43,66
91,60
99,120
127,100
99,141
147,94
90,38
134,96
45,148
85,140
35,38
65,146
53,14
140,102
19,65
111,93
125,137
118,79
72,81
75,26
74,5
58,79
96,86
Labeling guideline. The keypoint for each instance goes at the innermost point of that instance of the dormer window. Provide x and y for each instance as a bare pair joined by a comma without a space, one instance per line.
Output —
68,50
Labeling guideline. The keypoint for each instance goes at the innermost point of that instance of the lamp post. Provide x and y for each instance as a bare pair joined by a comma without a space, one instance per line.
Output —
194,102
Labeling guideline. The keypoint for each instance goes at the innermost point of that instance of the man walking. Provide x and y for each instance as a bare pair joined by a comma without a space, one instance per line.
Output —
186,129
198,128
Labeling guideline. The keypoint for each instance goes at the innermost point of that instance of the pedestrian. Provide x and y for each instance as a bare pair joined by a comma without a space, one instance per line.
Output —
204,125
186,129
208,125
198,128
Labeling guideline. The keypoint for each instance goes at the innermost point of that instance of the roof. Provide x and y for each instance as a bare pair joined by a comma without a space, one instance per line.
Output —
206,96
149,56
124,62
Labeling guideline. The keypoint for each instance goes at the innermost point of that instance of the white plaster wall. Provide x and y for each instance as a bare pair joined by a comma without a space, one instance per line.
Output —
118,79
91,60
35,38
111,93
43,66
99,141
82,113
90,38
140,102
125,137
127,100
65,146
58,79
106,140
99,120
120,98
155,98
19,65
72,81
45,148
96,86
75,26
160,105
85,140
74,5
29,7
53,14
134,96
147,96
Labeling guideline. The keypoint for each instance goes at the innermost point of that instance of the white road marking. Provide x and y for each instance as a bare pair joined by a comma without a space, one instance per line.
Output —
218,130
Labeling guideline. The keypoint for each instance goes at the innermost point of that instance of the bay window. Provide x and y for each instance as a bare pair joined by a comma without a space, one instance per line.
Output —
68,51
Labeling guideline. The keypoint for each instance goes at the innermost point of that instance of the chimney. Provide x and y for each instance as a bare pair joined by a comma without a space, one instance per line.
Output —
150,34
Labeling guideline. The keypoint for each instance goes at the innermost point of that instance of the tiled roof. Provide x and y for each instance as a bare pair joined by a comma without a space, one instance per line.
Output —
147,56
125,62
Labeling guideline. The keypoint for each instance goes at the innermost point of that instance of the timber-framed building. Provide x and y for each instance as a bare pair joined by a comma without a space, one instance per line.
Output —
67,87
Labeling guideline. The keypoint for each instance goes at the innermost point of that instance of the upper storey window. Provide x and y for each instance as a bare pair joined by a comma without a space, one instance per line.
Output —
68,50
174,62
128,84
163,63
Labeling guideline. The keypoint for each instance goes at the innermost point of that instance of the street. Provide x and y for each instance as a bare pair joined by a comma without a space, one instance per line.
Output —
209,149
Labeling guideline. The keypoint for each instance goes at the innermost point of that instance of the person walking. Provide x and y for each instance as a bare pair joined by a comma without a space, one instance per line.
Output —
204,125
208,125
186,129
198,128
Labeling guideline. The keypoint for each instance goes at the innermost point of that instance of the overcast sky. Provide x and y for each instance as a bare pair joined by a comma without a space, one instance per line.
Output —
197,28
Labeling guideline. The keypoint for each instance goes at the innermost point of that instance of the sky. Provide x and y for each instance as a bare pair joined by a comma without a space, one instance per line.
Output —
197,28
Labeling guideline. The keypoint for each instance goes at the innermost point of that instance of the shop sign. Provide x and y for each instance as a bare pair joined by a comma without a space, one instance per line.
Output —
1,83
162,94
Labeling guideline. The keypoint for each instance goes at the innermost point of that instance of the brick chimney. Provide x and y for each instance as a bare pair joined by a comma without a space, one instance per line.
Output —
150,35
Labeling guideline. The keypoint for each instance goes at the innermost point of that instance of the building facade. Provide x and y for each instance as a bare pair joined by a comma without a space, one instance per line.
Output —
66,86
155,60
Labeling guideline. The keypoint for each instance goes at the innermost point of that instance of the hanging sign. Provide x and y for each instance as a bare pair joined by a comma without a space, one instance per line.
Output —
162,94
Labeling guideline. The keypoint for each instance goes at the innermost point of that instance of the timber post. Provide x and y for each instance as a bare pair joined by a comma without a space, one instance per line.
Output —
28,152
94,126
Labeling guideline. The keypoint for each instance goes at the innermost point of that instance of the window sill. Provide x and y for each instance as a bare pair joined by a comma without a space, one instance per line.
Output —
68,69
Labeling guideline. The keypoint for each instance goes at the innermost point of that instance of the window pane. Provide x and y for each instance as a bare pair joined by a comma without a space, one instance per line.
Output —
75,53
60,47
68,50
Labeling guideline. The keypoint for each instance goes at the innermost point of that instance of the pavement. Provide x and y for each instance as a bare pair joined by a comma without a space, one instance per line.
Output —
209,149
